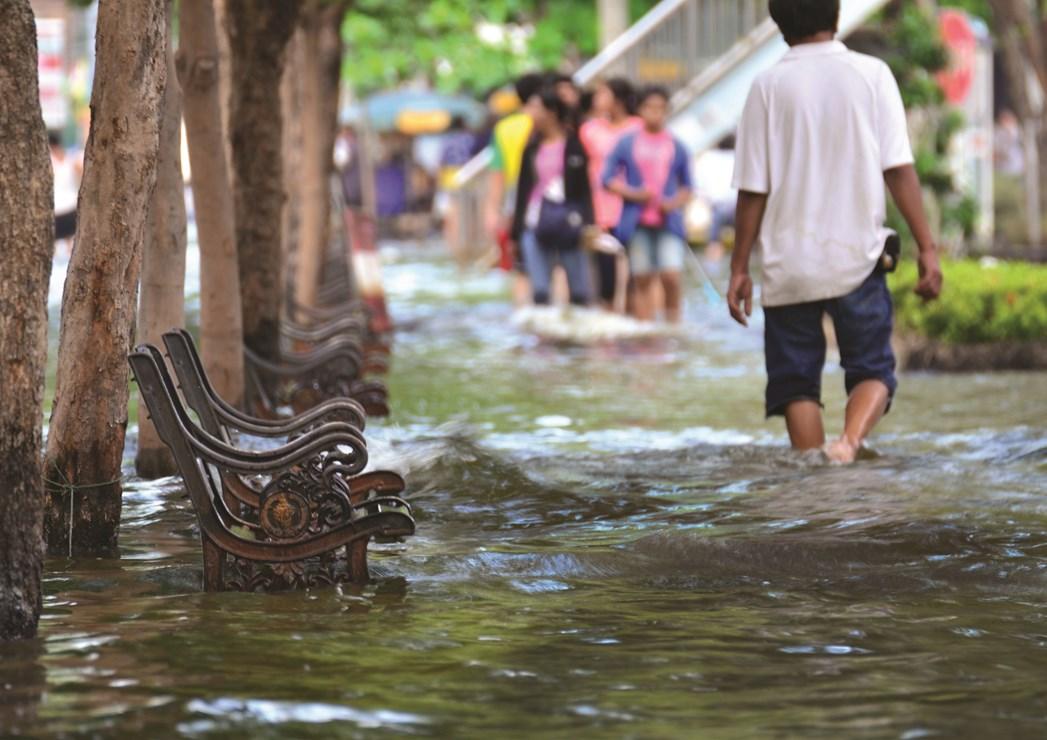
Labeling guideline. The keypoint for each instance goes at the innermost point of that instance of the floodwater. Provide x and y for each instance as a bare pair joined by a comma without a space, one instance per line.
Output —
611,543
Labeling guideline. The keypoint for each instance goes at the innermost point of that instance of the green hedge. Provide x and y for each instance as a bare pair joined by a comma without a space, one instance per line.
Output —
982,302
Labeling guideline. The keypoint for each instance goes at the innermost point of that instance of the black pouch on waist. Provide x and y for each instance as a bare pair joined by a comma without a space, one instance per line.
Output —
892,254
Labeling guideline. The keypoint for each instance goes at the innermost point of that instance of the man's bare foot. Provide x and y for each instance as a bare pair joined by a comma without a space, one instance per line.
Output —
842,451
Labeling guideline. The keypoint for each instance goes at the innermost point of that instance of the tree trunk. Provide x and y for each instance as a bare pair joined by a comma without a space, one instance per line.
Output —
162,304
26,248
89,419
225,79
258,34
321,56
221,328
290,102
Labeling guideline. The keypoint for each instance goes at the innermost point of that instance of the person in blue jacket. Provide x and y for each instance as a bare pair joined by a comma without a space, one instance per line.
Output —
649,169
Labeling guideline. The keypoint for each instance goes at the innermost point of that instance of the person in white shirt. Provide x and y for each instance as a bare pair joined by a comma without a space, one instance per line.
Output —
821,133
713,173
67,172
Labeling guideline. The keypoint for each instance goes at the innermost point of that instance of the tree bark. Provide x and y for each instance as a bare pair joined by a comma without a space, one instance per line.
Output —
26,248
162,304
258,34
290,102
221,328
321,55
225,79
89,418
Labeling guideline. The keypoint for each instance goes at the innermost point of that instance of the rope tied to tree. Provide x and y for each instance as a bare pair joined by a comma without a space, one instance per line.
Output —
68,487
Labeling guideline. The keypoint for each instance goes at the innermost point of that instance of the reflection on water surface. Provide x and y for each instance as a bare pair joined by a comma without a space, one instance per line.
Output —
611,542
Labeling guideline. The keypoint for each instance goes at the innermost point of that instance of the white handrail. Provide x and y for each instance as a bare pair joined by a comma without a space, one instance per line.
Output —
650,22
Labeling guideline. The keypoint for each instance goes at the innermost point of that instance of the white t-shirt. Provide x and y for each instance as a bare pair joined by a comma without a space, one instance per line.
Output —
66,184
713,173
818,131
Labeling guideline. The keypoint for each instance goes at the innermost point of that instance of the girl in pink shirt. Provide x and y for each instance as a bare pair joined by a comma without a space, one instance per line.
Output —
612,117
656,188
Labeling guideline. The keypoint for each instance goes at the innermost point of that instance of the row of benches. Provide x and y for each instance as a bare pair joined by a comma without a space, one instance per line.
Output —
300,514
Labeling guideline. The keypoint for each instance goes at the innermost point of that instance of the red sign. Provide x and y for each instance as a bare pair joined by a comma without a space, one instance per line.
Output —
958,34
50,41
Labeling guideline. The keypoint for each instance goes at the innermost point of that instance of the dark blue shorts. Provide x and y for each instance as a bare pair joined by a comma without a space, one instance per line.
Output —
794,342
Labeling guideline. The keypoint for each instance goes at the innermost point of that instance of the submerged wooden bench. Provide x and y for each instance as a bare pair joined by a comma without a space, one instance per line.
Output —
217,416
304,525
303,380
222,420
318,334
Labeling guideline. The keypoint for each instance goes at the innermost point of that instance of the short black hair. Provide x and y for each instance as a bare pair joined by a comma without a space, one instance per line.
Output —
54,138
800,19
652,91
552,102
623,91
528,86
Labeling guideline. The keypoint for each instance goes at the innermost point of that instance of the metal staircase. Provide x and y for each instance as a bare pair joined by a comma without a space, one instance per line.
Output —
706,52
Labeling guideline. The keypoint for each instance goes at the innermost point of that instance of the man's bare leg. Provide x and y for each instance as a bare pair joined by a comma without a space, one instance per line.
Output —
804,422
865,408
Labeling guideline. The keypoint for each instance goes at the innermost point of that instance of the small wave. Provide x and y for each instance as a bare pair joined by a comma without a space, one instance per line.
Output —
582,326
922,556
265,712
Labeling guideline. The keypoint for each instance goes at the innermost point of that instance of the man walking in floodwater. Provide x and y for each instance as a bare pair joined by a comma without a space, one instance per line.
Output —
821,133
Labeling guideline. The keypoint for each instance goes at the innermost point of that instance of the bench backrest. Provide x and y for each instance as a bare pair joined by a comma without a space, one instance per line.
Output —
164,408
199,394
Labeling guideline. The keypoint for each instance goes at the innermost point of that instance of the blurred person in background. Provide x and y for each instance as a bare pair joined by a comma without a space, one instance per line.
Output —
714,172
649,169
611,118
68,170
1008,144
508,141
569,92
457,149
348,161
553,201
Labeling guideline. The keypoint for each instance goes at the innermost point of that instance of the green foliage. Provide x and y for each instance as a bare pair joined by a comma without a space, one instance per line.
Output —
981,302
392,41
572,28
978,8
917,55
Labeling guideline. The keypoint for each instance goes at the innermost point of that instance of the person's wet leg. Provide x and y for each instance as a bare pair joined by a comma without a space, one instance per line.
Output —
576,264
539,268
643,300
794,344
673,290
643,264
864,322
865,408
803,419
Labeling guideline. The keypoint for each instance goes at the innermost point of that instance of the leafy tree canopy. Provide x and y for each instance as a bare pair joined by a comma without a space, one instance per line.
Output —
469,45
